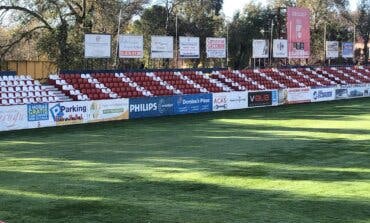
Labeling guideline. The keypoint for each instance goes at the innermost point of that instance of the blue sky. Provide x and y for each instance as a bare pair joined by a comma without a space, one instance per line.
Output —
230,6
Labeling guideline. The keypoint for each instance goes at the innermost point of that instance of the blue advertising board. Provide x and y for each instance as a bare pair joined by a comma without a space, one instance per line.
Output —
151,107
185,104
38,112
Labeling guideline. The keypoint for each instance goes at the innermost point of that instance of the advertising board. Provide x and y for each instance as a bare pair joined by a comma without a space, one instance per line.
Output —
298,95
347,50
280,48
185,104
260,48
332,49
131,46
262,98
97,46
189,47
216,47
230,100
13,117
151,107
68,113
322,94
298,30
162,47
109,110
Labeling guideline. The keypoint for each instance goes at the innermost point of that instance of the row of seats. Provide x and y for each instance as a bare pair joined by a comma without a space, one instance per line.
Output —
106,85
18,90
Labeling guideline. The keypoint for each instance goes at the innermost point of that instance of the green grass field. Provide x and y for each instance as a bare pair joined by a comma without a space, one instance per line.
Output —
300,163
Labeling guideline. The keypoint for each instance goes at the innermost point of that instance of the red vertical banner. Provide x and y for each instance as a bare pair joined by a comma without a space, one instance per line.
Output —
299,37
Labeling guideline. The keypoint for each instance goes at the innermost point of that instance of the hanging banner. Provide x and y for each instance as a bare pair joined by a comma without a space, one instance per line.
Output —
189,47
347,50
131,46
280,48
298,28
216,47
97,46
162,47
260,48
332,49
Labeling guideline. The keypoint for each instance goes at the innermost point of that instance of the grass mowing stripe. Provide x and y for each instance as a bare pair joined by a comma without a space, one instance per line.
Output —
298,163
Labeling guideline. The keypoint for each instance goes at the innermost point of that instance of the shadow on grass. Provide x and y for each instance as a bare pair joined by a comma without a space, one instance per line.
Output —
136,168
145,200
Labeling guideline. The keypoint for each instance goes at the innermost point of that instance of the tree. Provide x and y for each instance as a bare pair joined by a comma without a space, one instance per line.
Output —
363,25
60,24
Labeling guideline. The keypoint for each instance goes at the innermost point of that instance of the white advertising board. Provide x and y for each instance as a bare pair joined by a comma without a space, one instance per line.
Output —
230,101
189,47
97,46
260,48
13,117
109,110
280,48
216,47
131,46
298,95
162,47
332,49
322,94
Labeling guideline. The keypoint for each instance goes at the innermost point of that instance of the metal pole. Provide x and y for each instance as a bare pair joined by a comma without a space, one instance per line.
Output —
271,41
176,45
118,33
324,44
227,45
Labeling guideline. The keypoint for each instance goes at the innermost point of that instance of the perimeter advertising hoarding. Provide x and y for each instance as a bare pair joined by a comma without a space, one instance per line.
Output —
332,49
216,47
186,104
109,110
262,98
13,117
189,47
347,50
280,48
151,107
352,91
322,94
69,113
230,100
260,48
162,47
131,46
97,46
298,95
298,28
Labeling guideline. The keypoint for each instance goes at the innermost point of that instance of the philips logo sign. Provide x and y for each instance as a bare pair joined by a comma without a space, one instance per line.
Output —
150,107
143,107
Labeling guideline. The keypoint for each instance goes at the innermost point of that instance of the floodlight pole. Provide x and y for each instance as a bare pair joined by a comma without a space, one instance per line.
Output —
271,41
118,33
176,42
325,44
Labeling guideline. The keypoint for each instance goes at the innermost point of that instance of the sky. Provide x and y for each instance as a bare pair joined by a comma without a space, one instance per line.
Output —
231,6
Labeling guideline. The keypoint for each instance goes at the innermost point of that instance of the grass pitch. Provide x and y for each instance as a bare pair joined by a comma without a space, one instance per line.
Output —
301,163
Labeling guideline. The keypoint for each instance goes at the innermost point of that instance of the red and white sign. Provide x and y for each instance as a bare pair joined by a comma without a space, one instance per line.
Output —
216,47
298,95
131,46
298,28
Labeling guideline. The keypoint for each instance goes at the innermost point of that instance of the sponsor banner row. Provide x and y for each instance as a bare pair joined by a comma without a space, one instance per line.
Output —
68,113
